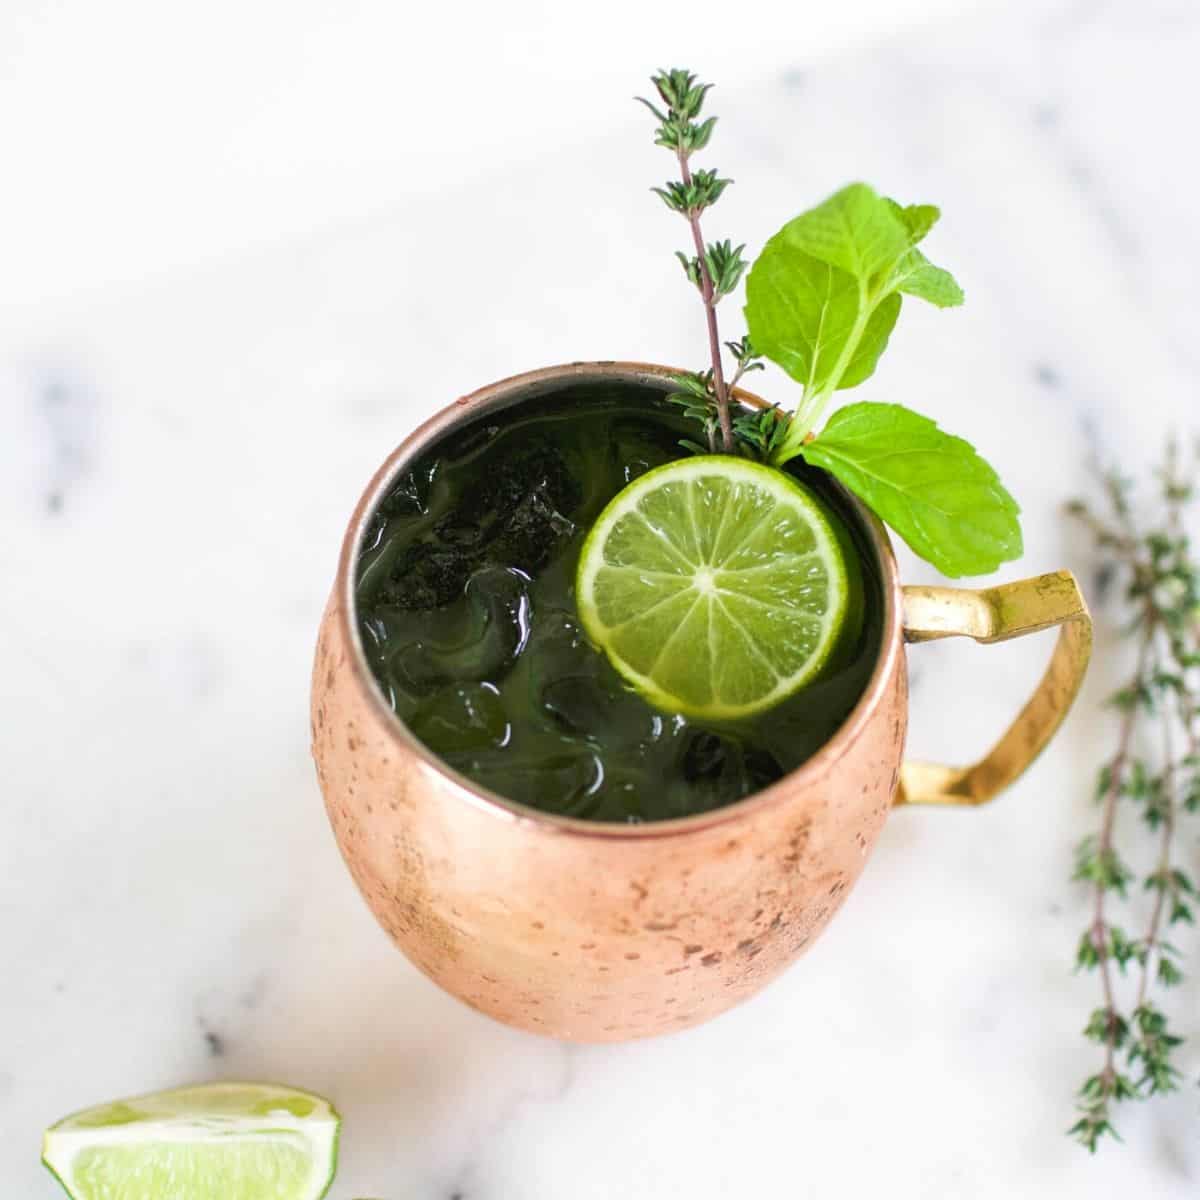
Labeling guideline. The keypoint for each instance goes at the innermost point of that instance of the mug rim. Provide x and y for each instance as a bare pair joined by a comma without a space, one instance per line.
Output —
526,386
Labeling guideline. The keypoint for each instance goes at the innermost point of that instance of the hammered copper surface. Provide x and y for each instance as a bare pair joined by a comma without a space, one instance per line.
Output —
580,930
592,934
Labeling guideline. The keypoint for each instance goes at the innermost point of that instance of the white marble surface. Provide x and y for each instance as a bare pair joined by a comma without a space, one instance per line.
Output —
153,136
177,459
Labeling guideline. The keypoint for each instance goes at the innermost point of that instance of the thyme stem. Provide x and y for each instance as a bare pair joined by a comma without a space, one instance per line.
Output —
1164,858
1116,784
709,296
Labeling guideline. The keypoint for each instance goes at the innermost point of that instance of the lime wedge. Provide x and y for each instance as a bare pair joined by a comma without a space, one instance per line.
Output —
716,586
222,1141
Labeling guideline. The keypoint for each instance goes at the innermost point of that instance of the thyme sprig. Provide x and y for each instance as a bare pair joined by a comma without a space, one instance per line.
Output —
714,269
1155,772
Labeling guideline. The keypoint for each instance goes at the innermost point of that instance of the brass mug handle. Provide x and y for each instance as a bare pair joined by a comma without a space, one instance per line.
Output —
996,614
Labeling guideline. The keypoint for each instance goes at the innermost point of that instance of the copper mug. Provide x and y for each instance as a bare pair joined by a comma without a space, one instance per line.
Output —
603,932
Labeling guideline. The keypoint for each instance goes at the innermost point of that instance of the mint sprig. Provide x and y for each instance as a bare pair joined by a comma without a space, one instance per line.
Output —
822,300
824,295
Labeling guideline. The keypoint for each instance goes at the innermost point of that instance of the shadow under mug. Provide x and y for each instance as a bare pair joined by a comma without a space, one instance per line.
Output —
603,932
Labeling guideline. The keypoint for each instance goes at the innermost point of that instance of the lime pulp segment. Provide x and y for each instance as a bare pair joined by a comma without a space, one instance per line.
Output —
716,586
231,1141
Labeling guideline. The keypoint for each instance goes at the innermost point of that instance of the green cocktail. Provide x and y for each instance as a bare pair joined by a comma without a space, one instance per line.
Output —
466,608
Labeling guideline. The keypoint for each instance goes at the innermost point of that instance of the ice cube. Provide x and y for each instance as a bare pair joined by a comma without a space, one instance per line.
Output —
565,782
760,768
536,466
722,769
426,575
531,534
462,717
493,629
515,513
591,707
557,648
577,691
637,447
704,757
410,494
507,479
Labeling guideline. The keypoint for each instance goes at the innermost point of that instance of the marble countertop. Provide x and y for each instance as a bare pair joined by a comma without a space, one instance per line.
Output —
179,453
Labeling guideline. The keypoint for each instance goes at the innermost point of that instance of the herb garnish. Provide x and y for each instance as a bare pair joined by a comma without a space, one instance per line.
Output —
1154,772
715,269
821,302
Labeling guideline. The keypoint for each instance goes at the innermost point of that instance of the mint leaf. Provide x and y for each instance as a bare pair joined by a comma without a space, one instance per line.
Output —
917,276
932,488
825,293
803,313
872,344
919,219
913,272
855,230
